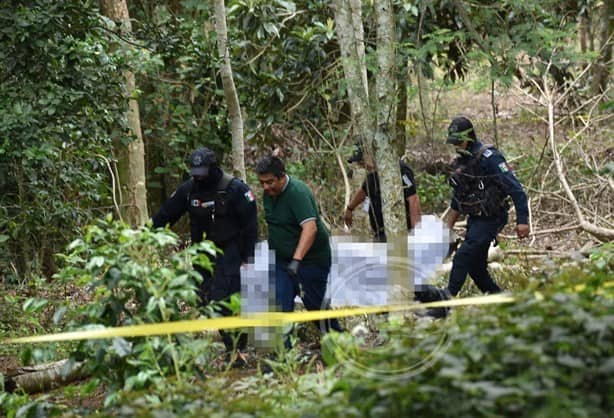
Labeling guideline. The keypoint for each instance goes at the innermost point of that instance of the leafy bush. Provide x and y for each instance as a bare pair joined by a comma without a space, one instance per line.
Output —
135,277
434,192
548,355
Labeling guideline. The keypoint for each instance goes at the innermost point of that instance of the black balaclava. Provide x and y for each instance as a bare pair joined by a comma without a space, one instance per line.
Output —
209,182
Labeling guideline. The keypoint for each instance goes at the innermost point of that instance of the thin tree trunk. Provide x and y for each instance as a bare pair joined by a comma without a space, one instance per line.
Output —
603,66
400,139
23,249
428,127
359,41
130,158
387,160
349,33
582,29
493,105
230,91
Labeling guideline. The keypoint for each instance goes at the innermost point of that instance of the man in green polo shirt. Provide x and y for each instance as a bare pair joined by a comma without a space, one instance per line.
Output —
298,237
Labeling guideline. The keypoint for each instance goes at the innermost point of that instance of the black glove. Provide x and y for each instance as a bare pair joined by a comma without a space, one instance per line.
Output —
292,268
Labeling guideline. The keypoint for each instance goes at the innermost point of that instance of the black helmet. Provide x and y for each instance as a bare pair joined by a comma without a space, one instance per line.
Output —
201,160
461,129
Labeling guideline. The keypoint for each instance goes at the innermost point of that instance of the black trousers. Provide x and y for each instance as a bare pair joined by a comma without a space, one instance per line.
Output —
219,286
472,256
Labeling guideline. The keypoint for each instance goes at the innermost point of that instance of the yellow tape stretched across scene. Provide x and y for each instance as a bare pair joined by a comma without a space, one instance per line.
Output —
263,319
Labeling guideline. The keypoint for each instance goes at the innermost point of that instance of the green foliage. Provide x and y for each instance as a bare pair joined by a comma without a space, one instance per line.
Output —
18,406
434,192
182,101
548,354
60,98
135,277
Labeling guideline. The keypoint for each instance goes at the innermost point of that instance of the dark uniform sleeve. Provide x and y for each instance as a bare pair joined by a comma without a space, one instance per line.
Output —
244,203
409,182
496,165
174,207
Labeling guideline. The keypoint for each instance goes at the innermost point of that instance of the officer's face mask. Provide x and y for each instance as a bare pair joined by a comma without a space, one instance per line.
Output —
461,149
200,179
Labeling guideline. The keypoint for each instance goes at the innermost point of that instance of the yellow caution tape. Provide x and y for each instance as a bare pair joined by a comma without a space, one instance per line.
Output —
581,287
263,319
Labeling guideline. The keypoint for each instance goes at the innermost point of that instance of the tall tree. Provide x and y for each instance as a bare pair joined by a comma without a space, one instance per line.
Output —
374,120
385,87
230,91
603,67
350,35
130,157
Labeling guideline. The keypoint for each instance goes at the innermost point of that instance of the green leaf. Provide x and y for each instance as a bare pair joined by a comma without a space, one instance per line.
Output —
122,347
33,305
59,314
97,261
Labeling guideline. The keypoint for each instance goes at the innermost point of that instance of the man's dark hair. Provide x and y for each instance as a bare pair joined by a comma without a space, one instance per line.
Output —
271,165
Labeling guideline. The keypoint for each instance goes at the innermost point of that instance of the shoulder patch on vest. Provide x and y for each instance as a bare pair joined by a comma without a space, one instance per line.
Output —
487,153
504,167
249,195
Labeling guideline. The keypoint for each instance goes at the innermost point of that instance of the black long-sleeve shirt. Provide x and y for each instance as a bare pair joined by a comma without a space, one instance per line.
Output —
242,213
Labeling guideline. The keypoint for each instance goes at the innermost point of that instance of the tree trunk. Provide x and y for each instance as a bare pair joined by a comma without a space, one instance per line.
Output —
582,30
359,41
230,91
387,160
603,66
23,249
350,35
130,158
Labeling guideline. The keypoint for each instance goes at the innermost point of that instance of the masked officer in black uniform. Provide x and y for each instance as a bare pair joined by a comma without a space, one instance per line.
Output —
481,182
222,208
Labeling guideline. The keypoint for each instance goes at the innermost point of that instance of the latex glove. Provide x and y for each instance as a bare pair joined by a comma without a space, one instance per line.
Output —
292,267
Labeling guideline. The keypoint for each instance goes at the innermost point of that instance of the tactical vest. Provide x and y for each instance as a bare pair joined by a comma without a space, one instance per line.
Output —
477,194
211,212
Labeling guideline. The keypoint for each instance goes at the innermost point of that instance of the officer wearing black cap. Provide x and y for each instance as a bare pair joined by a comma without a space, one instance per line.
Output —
371,189
222,209
481,182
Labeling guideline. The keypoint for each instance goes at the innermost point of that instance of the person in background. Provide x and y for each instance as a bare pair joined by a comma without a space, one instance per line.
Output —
371,189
